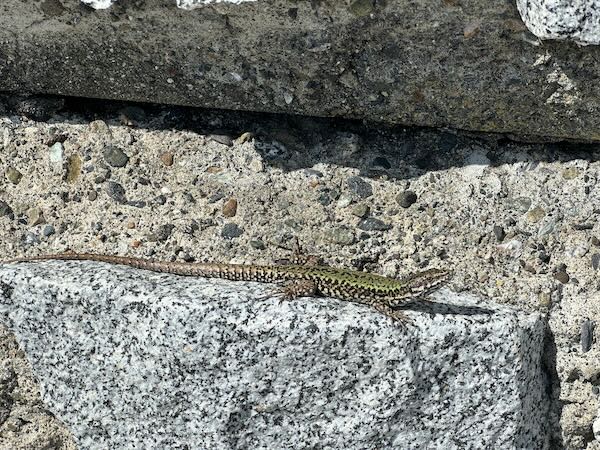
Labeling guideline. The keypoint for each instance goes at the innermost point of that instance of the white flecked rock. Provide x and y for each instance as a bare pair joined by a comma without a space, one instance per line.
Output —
578,20
135,359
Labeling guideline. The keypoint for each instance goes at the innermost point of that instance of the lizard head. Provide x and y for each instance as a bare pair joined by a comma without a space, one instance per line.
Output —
418,285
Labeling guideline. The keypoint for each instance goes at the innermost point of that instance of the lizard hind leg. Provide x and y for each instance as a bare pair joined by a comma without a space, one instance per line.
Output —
301,258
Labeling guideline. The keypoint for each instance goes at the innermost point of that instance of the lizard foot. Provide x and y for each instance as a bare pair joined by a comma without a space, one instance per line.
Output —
394,314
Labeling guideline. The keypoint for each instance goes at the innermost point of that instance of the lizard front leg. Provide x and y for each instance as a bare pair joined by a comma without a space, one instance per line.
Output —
394,314
293,290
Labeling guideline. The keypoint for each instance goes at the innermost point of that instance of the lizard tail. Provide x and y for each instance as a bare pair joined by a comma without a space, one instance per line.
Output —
210,270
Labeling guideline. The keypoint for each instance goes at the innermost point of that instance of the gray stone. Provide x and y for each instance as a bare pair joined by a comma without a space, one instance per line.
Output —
116,191
373,224
6,210
587,335
359,187
115,156
257,244
231,231
30,238
56,152
499,233
48,230
13,175
222,139
134,359
163,232
406,198
340,235
469,65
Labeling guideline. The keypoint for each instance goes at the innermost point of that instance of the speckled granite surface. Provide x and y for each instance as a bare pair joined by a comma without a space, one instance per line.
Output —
578,20
133,359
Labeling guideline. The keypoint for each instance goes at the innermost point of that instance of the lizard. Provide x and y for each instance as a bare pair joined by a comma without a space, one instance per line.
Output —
311,280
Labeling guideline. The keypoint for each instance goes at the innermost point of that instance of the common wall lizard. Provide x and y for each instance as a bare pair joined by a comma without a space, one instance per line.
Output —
382,293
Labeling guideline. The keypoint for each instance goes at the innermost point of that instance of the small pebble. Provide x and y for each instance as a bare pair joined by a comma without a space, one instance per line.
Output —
344,201
30,238
373,224
99,127
359,187
596,261
521,204
221,139
13,175
167,158
56,152
340,236
92,195
230,207
313,173
215,197
160,199
245,137
137,203
114,156
48,230
570,173
73,168
116,192
536,214
499,233
231,231
544,257
327,196
35,216
562,276
163,232
406,198
545,299
548,228
587,335
257,244
582,226
6,210
186,257
361,210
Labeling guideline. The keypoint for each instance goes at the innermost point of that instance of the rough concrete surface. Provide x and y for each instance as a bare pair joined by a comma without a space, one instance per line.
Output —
132,359
467,64
518,223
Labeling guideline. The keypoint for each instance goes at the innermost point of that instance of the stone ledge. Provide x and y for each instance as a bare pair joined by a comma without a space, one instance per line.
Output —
131,358
470,64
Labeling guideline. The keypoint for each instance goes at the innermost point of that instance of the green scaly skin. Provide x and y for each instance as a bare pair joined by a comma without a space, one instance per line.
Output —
380,292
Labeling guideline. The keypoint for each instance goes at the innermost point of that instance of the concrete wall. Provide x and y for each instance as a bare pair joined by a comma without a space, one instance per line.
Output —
467,64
